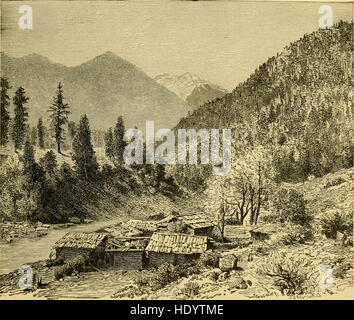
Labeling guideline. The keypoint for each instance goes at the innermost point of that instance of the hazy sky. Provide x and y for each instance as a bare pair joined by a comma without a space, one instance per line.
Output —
221,41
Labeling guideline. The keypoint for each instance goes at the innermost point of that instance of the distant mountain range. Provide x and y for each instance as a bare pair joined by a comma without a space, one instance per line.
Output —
191,88
103,88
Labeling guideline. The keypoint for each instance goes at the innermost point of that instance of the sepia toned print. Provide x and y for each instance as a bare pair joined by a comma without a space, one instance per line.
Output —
176,150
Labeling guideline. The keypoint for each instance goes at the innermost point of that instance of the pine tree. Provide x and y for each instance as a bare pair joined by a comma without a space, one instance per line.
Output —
49,162
28,158
4,113
33,185
21,117
118,142
109,143
83,152
40,133
59,116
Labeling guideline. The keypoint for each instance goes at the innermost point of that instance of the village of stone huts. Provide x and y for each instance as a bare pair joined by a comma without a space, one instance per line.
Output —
178,256
148,253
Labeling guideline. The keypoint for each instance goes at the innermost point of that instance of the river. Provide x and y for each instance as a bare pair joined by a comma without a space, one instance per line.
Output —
24,251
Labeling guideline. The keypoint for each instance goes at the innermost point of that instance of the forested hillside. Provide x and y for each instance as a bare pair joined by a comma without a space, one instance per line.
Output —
297,105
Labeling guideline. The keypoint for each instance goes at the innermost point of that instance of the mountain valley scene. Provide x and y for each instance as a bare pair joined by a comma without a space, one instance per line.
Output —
77,221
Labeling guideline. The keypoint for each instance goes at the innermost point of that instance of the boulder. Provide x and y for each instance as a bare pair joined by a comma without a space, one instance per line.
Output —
228,262
238,283
223,276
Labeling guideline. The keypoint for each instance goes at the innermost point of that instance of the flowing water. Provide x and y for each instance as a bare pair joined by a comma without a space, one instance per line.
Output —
24,251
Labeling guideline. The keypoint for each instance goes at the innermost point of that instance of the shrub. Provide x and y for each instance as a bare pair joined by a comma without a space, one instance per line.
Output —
166,273
55,262
296,234
142,281
62,271
190,269
334,221
290,206
209,259
191,289
291,274
78,264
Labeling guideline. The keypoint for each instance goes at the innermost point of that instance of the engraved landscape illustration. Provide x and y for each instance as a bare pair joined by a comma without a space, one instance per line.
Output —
176,150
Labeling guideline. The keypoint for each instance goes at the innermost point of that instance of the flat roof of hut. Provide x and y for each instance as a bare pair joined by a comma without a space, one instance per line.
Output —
81,240
197,221
177,243
236,232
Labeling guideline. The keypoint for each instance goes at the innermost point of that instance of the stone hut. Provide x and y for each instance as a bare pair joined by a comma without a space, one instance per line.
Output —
175,248
196,224
237,233
127,253
74,244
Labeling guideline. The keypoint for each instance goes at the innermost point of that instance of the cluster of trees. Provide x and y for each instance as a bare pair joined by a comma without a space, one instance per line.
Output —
20,130
41,190
238,197
46,191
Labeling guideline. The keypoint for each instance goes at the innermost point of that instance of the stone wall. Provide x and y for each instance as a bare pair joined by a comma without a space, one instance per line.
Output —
202,231
128,260
156,259
69,253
